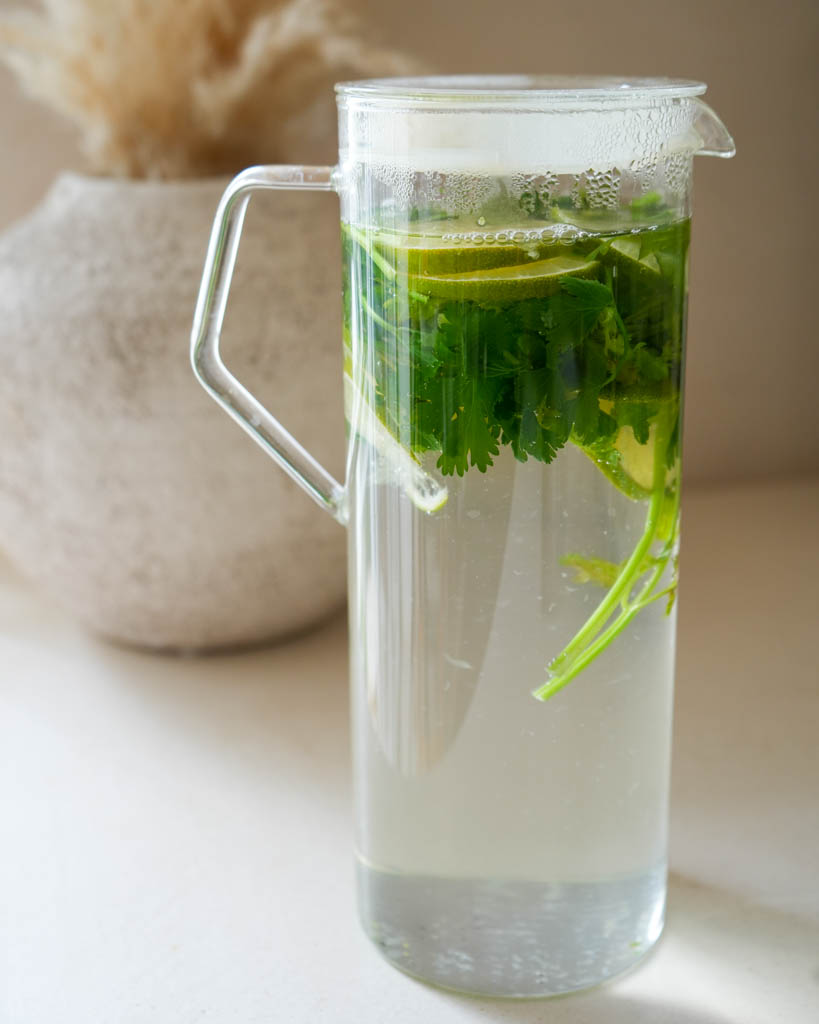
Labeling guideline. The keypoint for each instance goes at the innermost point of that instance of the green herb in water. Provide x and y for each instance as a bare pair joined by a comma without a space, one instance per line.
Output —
535,347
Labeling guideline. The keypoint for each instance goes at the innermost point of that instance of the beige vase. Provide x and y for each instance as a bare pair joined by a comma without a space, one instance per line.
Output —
125,491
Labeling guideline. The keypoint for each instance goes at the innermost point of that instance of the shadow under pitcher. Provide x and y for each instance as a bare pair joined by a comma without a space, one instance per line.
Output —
514,280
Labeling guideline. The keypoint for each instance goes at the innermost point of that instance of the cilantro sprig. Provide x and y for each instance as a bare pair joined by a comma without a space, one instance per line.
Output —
595,363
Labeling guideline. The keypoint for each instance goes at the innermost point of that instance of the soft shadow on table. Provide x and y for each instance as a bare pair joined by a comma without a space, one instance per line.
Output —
717,951
609,1010
262,701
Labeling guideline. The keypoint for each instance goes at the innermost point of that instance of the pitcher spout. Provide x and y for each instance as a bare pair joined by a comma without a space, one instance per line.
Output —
715,139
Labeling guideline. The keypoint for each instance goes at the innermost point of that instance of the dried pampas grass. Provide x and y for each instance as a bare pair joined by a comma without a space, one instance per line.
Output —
184,88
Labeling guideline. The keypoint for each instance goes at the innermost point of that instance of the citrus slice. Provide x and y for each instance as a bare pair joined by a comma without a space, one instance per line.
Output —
423,254
505,284
625,461
651,254
627,246
423,490
627,253
636,460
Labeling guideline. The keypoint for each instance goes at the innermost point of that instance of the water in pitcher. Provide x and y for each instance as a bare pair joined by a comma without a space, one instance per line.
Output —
513,399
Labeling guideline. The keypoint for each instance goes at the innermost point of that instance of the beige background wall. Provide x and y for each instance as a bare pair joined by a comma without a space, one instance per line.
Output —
753,367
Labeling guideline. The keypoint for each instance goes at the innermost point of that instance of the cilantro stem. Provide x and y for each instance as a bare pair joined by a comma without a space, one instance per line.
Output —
589,641
371,313
658,596
633,563
358,235
603,640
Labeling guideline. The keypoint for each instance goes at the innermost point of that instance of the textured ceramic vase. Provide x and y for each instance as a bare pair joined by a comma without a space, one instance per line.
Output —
124,491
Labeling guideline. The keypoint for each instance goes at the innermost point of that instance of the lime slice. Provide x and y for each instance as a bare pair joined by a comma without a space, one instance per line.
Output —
627,254
625,461
636,460
628,247
505,284
650,255
651,263
420,255
421,488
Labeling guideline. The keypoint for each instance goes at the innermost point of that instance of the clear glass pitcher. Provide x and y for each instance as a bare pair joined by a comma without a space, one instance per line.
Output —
514,279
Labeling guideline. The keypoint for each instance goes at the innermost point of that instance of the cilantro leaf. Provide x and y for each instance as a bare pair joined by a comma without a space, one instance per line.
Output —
575,311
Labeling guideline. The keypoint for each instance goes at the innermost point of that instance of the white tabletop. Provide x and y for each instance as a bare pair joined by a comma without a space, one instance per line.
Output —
175,834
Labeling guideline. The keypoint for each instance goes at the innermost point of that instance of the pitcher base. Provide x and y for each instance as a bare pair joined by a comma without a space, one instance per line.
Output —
511,938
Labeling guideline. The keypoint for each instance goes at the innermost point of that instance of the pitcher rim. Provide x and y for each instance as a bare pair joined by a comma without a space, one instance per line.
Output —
525,90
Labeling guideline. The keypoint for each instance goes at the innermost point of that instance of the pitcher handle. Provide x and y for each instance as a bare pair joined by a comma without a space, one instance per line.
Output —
212,373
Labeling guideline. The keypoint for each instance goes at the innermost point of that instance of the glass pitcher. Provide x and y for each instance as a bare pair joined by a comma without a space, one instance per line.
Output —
514,282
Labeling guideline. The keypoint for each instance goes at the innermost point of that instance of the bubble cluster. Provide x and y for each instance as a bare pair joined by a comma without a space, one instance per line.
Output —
603,189
400,181
677,171
458,193
452,192
567,234
532,190
578,190
643,175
